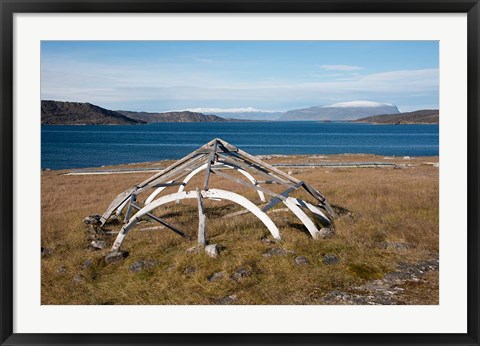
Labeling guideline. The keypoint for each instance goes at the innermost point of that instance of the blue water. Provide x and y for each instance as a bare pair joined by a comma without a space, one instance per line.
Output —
93,146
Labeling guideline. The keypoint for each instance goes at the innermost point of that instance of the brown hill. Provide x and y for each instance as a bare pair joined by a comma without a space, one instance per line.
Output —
76,113
170,117
425,116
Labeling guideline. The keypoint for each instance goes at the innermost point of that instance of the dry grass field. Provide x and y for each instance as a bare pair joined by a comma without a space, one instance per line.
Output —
384,250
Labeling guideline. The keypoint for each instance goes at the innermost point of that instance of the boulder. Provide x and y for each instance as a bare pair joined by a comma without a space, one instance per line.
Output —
45,252
267,241
116,256
240,273
78,279
189,271
97,245
278,252
141,265
228,299
330,259
212,250
216,276
324,233
87,264
302,260
62,269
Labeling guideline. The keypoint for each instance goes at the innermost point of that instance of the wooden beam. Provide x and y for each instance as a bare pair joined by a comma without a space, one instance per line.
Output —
268,167
244,183
323,201
209,165
169,168
202,228
177,172
274,201
261,168
173,183
117,201
166,224
234,161
226,147
129,209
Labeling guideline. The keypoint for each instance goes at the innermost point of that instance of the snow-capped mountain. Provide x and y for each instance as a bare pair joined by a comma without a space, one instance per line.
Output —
351,110
245,113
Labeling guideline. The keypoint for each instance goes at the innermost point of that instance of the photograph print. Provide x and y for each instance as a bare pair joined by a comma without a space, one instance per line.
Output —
240,172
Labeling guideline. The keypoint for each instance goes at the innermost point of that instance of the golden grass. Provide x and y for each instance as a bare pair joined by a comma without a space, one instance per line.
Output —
385,205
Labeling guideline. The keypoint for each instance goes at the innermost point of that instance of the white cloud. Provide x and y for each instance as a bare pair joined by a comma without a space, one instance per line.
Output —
174,86
341,67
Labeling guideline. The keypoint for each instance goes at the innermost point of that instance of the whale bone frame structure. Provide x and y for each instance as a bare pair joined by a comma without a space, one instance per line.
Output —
216,158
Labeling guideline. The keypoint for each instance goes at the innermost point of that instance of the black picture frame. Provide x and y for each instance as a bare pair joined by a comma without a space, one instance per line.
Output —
10,7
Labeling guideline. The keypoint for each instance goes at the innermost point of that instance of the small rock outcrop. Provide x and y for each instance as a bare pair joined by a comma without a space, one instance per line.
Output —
278,252
240,273
116,256
189,271
324,233
228,300
330,259
141,265
86,264
212,250
301,260
216,276
97,245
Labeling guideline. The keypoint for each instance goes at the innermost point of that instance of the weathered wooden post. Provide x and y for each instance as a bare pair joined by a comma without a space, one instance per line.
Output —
202,227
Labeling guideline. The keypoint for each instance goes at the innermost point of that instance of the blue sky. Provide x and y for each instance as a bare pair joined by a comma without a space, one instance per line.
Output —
234,75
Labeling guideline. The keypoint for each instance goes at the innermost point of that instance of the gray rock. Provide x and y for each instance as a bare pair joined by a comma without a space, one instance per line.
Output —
330,259
240,273
278,252
216,276
98,245
302,260
92,220
62,270
396,246
45,252
87,264
78,279
189,271
324,233
116,256
141,265
267,241
212,250
228,299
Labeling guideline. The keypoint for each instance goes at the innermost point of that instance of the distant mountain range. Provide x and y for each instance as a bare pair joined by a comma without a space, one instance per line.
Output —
341,111
75,113
251,115
426,116
170,117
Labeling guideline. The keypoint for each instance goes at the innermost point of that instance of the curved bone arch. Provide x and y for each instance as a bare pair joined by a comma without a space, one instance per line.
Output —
210,194
217,158
204,167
